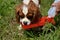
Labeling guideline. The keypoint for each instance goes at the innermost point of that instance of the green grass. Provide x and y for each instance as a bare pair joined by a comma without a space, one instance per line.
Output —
8,25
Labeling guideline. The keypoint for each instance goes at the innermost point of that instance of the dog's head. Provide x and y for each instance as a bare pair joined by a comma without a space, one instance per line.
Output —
27,14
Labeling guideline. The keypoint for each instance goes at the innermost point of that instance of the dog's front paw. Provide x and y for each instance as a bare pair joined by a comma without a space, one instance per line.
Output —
20,27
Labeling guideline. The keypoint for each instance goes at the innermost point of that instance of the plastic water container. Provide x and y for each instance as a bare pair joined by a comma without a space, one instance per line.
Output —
52,12
56,1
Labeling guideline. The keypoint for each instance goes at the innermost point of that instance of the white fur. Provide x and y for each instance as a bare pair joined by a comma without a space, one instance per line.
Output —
20,27
35,1
25,10
39,6
26,2
25,20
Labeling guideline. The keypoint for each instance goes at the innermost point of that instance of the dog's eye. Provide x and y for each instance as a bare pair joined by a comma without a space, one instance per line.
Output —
29,17
21,16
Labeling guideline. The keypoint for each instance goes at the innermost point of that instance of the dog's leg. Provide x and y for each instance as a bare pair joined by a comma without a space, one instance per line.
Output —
20,27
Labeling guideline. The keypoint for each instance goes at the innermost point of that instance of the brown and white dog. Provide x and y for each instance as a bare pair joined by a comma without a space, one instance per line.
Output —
28,12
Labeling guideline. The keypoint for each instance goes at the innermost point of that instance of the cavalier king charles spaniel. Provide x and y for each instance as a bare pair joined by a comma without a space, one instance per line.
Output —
28,12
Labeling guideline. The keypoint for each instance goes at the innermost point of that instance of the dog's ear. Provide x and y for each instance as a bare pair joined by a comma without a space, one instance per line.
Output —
39,13
17,17
18,8
17,14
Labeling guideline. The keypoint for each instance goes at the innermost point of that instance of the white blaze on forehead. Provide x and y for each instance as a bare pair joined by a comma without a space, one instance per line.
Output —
25,10
26,2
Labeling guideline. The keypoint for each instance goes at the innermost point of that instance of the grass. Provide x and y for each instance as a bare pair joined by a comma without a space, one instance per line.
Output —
8,25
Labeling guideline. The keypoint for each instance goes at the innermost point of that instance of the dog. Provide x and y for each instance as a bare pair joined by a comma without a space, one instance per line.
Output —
28,12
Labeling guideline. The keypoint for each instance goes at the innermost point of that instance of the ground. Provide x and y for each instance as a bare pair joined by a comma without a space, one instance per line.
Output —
8,24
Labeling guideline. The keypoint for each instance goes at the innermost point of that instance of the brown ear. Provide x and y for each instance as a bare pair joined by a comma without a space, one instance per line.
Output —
39,13
17,17
17,13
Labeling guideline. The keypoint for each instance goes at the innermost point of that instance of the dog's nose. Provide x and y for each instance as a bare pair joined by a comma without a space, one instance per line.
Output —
25,23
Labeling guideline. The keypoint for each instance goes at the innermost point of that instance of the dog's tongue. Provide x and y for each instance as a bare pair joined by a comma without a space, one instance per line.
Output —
40,23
